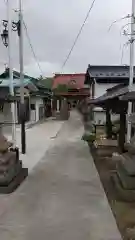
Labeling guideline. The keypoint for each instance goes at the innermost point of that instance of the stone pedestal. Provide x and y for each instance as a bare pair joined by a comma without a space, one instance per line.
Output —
124,177
11,171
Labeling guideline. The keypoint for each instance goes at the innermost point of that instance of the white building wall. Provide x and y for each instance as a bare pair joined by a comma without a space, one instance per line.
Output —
35,113
100,89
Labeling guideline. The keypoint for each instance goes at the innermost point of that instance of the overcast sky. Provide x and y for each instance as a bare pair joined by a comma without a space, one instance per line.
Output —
53,26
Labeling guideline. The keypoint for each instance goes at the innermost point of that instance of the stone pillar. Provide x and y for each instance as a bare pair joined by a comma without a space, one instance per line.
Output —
58,105
64,112
37,111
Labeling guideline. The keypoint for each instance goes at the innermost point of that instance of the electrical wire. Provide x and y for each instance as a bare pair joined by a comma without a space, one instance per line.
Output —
78,35
118,20
29,40
32,49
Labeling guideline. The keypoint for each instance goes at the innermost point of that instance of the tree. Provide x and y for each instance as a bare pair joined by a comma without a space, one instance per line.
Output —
62,88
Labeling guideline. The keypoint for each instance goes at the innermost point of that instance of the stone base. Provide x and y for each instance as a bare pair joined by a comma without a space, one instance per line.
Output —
127,181
15,183
14,170
128,162
124,194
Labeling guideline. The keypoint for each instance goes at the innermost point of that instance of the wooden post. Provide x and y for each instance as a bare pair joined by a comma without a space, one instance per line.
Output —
108,124
122,131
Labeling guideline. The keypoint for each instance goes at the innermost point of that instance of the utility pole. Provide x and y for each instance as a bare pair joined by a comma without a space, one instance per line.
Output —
11,87
22,104
132,42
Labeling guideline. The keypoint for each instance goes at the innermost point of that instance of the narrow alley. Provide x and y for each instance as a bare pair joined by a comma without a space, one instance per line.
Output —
62,198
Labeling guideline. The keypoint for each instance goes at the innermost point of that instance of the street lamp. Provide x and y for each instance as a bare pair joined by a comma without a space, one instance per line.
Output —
4,34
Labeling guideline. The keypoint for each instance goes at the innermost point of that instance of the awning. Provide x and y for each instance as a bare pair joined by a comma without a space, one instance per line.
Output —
109,95
130,96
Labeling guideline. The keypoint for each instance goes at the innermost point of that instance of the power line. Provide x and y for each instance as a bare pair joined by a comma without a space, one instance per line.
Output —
32,49
29,40
78,35
118,20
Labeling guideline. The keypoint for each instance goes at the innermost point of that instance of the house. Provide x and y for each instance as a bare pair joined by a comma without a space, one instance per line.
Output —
35,97
100,78
70,87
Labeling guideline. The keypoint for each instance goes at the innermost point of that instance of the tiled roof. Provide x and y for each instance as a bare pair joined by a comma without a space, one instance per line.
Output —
109,71
74,80
108,74
17,83
130,96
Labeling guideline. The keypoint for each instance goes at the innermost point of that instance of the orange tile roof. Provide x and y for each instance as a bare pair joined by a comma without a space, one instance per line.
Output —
76,80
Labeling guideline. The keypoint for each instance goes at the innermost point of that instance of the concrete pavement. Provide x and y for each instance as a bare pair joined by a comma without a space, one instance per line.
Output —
38,140
62,198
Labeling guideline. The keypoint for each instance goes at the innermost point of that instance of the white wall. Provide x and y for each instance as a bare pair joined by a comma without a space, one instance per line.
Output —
38,102
100,89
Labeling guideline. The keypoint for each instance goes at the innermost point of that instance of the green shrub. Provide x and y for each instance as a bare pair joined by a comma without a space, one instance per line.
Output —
89,137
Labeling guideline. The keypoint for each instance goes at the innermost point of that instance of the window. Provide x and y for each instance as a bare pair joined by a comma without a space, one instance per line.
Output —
32,106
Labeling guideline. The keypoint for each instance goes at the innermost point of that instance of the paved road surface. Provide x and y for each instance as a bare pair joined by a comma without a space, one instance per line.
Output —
38,140
62,199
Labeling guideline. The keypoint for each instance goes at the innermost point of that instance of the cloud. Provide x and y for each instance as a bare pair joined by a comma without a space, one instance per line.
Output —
48,69
53,25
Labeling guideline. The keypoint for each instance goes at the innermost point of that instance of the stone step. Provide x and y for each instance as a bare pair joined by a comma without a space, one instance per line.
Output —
15,183
127,181
124,195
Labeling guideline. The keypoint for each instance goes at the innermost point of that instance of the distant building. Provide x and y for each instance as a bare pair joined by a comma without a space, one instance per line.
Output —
71,87
36,96
100,78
